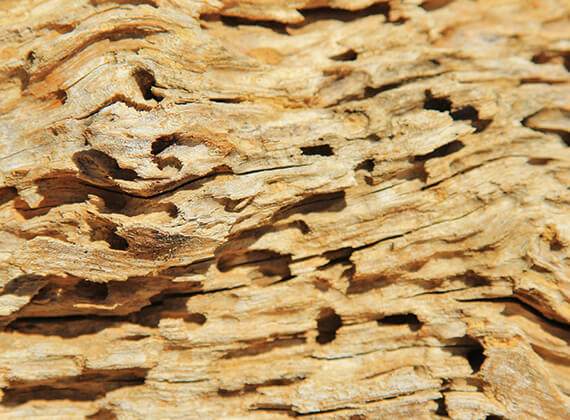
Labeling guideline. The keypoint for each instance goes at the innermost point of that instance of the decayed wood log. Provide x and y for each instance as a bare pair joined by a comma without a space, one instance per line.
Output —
334,209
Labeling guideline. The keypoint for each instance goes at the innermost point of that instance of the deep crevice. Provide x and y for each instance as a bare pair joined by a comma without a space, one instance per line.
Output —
370,92
366,165
563,57
162,143
441,407
315,203
330,13
430,5
24,285
166,301
444,104
56,191
441,151
135,337
191,182
31,57
117,98
102,231
170,302
233,259
367,93
310,15
348,55
7,194
328,324
171,306
476,357
92,291
236,100
320,150
266,344
279,408
146,81
301,225
338,256
235,21
67,189
63,326
466,113
90,385
434,103
100,168
59,95
401,319
470,113
171,161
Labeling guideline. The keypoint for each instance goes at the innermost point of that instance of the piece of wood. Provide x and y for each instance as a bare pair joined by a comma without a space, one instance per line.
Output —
335,209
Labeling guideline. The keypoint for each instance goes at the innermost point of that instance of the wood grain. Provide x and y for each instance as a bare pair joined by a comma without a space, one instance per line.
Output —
266,209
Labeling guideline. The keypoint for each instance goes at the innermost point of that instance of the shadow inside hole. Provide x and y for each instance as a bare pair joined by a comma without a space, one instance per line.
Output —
145,81
64,327
162,143
329,13
476,357
441,151
315,203
92,291
470,113
348,55
328,324
232,259
25,285
170,307
107,234
430,5
441,407
436,103
401,319
321,150
367,165
90,385
100,168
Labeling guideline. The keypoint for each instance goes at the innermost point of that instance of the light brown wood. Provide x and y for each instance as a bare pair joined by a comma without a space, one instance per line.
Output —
330,209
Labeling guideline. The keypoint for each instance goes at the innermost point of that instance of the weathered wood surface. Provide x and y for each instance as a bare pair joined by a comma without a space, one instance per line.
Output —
331,209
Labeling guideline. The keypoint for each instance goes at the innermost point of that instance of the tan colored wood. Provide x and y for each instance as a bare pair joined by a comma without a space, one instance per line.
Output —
258,209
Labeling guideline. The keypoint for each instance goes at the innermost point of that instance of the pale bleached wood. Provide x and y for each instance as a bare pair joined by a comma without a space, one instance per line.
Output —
262,209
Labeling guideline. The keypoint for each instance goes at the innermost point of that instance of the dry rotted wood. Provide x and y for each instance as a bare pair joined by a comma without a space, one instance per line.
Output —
334,209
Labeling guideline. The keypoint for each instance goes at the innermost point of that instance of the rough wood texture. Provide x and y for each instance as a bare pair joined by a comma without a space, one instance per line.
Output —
261,209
